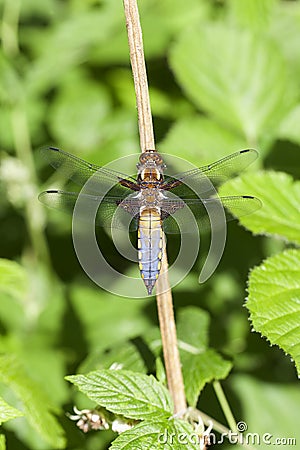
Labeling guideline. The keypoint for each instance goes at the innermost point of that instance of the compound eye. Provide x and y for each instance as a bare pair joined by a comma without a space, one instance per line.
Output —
151,156
143,158
159,159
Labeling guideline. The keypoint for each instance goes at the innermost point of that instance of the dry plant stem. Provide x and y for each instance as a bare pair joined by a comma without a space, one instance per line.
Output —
139,73
169,338
164,296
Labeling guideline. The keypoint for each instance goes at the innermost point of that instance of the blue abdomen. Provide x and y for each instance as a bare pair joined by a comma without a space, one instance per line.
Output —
150,247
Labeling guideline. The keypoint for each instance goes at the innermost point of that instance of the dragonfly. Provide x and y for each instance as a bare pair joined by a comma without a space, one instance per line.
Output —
150,201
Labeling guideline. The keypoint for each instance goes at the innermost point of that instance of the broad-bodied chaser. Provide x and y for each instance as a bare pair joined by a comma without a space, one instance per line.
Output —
152,199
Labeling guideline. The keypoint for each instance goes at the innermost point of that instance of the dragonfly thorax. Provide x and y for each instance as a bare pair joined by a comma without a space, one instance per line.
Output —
150,174
150,197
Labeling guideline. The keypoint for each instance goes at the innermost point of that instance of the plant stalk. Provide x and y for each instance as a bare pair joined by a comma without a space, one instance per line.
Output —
225,405
164,296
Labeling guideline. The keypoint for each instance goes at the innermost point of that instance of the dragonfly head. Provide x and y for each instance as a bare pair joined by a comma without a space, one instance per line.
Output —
150,166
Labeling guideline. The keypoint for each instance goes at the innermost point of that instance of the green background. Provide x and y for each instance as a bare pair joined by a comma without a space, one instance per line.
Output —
223,75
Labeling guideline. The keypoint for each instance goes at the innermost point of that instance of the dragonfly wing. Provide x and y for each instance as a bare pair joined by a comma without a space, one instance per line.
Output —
202,210
199,179
80,171
107,211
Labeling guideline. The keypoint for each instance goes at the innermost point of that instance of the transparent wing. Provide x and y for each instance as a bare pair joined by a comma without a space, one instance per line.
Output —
234,207
108,211
217,173
80,171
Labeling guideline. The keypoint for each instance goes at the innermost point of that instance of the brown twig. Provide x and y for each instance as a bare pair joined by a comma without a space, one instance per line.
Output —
164,296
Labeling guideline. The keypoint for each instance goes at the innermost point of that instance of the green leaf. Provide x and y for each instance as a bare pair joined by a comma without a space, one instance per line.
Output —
46,10
127,393
2,442
160,371
274,301
166,106
13,279
169,18
97,310
10,82
254,15
126,354
238,77
121,81
278,409
200,364
289,128
79,127
7,412
284,29
22,307
280,197
47,363
170,435
117,50
193,325
33,107
177,15
201,140
38,408
59,48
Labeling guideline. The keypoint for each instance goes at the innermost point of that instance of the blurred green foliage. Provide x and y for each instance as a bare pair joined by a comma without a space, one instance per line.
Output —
223,75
